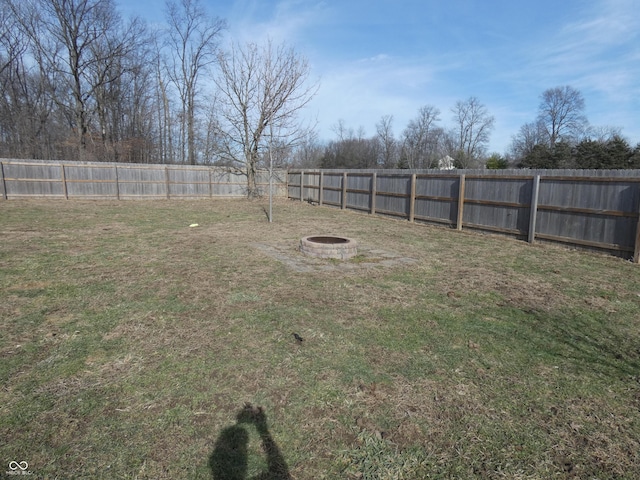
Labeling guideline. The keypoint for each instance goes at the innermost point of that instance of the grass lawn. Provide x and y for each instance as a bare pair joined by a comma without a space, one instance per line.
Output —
130,343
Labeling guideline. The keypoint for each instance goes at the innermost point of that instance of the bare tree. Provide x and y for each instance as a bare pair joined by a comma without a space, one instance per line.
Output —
603,133
17,103
472,130
308,153
164,110
29,121
422,138
193,47
261,90
384,129
342,131
561,113
529,135
79,47
62,32
351,149
116,78
13,43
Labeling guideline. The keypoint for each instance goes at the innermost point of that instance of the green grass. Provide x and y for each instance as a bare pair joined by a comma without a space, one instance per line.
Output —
131,342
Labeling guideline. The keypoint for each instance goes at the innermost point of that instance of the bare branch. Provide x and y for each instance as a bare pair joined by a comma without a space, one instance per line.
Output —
262,90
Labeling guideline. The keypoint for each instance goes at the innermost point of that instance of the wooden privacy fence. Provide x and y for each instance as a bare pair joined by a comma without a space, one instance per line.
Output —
19,178
592,209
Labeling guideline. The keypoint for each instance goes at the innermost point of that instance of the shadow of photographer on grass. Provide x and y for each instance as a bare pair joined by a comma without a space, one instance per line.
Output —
229,460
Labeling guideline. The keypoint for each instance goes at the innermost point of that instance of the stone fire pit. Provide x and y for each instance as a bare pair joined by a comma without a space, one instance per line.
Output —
327,246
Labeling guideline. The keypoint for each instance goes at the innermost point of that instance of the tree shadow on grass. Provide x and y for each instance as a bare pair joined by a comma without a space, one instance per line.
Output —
229,459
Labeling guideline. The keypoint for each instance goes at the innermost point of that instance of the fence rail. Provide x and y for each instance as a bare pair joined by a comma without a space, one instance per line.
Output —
592,209
20,178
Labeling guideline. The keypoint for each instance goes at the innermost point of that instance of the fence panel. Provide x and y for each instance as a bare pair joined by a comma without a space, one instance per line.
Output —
332,189
436,198
142,181
20,178
359,191
589,211
33,179
293,185
500,204
189,183
96,181
228,184
393,195
312,189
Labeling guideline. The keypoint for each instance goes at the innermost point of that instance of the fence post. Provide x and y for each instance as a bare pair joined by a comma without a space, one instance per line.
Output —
166,178
4,184
302,185
115,167
636,249
210,184
286,185
533,213
460,201
64,182
374,189
344,190
412,198
321,194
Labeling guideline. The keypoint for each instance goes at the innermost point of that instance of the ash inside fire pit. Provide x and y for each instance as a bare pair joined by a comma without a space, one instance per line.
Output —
327,246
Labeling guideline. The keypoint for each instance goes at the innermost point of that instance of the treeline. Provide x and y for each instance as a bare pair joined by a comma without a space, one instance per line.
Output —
424,142
591,154
80,83
559,137
562,137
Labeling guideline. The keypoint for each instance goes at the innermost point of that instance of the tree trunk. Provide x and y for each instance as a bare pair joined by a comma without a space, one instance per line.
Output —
191,144
252,171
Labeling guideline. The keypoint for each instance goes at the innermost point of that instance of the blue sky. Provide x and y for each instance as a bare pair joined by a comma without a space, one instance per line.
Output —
390,57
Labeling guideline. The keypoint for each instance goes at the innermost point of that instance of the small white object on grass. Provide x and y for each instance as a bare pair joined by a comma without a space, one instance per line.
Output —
194,225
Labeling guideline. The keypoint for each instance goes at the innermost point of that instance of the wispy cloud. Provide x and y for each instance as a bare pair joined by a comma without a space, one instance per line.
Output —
599,51
373,62
282,21
361,92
